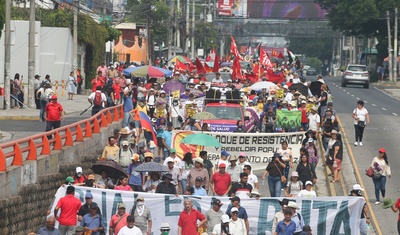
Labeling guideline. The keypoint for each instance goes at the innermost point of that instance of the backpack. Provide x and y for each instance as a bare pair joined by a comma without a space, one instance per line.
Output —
97,99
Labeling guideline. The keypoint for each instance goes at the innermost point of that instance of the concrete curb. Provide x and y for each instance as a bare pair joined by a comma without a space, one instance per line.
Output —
20,118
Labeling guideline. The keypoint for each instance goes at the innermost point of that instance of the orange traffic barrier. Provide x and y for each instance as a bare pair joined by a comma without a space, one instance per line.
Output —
56,89
62,87
63,137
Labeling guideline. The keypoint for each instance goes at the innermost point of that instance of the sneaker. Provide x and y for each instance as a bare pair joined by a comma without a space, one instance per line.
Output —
355,143
361,144
377,202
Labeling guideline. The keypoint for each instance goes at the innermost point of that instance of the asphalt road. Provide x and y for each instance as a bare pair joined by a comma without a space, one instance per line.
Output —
383,131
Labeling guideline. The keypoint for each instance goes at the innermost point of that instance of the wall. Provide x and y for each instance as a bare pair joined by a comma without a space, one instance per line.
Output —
53,51
26,192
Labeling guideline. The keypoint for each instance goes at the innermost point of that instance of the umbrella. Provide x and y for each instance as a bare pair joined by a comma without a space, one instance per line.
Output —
152,71
172,86
254,119
315,88
204,116
202,140
128,71
151,167
180,58
300,88
260,85
114,170
227,63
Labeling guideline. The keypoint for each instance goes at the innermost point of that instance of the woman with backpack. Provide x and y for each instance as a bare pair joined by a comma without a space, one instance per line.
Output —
294,186
44,94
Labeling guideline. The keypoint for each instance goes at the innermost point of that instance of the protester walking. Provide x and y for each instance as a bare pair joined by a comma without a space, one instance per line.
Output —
274,171
54,113
364,220
44,94
98,99
305,170
380,165
286,157
361,119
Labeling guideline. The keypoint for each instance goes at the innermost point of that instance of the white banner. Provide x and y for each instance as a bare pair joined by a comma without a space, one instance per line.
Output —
259,147
325,215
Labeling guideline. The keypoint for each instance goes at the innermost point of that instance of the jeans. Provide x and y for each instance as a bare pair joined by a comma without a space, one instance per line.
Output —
96,109
166,153
184,183
274,184
305,126
379,186
127,119
286,173
359,132
363,227
43,104
66,230
52,125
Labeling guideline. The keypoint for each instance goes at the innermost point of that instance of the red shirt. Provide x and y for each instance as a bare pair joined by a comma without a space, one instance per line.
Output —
79,180
398,206
188,222
304,118
96,83
122,222
53,110
221,182
69,206
117,90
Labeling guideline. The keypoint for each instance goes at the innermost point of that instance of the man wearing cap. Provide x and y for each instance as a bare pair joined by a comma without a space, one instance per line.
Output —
296,217
177,160
223,227
54,113
286,226
270,104
223,159
185,95
79,177
151,102
111,150
141,150
142,215
196,171
135,178
233,169
79,230
69,206
314,120
242,213
198,190
365,219
167,139
166,187
307,192
92,97
213,215
242,161
176,174
187,223
304,119
124,155
241,189
130,228
237,225
279,216
221,182
49,229
92,220
85,207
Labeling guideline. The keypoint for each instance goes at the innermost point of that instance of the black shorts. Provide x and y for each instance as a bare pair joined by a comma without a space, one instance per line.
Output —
159,142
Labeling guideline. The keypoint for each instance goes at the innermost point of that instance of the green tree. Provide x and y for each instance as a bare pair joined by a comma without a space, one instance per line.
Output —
2,15
312,47
206,36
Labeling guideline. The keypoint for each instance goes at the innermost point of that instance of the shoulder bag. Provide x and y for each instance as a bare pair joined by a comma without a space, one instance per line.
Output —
369,172
180,119
360,123
283,178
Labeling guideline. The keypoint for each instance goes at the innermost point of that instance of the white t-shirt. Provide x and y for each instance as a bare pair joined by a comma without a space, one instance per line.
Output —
238,227
220,161
285,154
360,114
130,231
252,179
289,97
218,80
306,193
217,229
177,162
103,97
313,121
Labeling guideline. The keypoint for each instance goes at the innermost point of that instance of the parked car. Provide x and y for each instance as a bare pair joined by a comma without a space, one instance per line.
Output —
311,71
356,74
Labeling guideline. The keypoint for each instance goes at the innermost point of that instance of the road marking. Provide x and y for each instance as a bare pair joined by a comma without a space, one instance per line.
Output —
365,101
344,90
352,95
373,105
395,114
384,109
348,93
358,176
357,98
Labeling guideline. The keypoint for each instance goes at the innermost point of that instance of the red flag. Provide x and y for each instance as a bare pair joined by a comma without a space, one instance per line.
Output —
216,64
236,69
264,59
208,59
180,66
280,56
199,66
275,77
213,51
234,50
252,77
207,68
258,70
275,53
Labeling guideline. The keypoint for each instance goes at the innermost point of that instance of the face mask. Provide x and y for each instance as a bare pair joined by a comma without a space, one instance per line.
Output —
79,174
164,232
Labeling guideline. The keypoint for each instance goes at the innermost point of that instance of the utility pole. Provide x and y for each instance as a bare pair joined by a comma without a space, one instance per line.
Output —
187,28
193,25
170,31
395,52
7,55
177,28
75,47
31,55
389,46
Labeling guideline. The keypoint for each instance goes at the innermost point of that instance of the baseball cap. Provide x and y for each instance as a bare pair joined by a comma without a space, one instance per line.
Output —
93,205
234,209
304,102
217,202
125,143
269,98
310,140
222,165
121,205
242,154
334,131
172,150
79,169
287,211
225,153
382,150
90,177
199,178
37,76
54,97
225,218
235,198
140,198
88,195
69,179
295,174
309,183
357,187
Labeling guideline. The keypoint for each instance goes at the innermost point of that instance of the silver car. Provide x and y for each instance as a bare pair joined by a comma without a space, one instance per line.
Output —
356,74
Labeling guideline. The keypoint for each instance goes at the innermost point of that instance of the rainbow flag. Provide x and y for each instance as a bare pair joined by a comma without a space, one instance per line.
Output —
146,123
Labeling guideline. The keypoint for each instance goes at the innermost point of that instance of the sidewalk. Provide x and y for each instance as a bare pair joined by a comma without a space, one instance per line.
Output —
71,107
